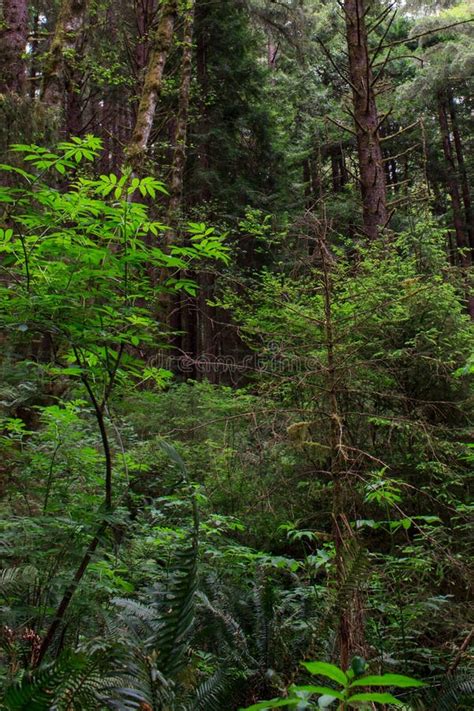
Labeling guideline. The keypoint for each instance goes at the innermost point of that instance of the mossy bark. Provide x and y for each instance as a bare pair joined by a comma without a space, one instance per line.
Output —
152,85
59,60
13,38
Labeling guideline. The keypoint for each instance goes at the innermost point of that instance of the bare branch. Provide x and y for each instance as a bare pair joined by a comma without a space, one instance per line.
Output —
428,32
401,130
341,125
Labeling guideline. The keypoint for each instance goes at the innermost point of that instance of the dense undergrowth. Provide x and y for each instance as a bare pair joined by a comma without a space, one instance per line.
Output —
209,566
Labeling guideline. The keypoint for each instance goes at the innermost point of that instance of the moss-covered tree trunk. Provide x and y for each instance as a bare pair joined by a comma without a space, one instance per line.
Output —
58,67
13,39
366,120
153,83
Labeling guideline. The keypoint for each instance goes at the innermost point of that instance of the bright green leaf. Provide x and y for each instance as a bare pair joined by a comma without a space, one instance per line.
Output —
398,680
378,698
328,670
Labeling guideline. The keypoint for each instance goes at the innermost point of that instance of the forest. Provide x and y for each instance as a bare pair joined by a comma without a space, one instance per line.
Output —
236,364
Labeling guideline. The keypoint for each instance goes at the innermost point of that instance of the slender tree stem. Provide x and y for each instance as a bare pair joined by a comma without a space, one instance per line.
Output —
69,592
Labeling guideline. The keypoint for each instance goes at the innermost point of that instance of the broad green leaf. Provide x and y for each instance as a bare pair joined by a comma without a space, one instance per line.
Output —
20,171
272,704
325,690
6,234
388,680
374,696
328,670
23,147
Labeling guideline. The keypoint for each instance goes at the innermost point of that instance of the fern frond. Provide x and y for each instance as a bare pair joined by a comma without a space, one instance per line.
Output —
264,602
456,693
177,611
13,396
136,623
356,570
356,566
11,578
211,694
232,631
177,604
73,676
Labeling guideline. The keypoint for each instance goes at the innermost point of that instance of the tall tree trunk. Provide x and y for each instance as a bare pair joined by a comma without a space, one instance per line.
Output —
338,168
114,108
74,106
205,331
181,127
316,174
58,70
452,182
144,14
366,120
308,193
153,83
13,38
203,128
195,314
174,306
465,188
